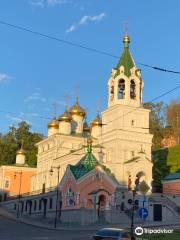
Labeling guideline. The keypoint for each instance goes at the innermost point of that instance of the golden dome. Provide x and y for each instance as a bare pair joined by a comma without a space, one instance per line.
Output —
53,124
21,151
76,109
99,168
97,121
65,117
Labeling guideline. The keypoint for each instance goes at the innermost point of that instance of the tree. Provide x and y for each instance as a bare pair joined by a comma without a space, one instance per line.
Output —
157,122
11,142
173,118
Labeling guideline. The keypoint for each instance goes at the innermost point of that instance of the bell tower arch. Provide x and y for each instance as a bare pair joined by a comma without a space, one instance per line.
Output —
125,84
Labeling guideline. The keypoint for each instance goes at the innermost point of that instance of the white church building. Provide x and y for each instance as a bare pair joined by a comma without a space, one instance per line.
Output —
121,138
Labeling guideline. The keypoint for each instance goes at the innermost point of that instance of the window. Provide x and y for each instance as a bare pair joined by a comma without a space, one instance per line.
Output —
132,123
132,153
121,89
112,93
7,183
70,198
132,89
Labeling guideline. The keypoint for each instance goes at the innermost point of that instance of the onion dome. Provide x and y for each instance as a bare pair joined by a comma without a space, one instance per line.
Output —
65,117
97,121
21,151
53,124
76,109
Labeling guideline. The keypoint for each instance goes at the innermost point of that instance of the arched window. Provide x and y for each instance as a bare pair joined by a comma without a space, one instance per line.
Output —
112,93
121,89
132,90
70,198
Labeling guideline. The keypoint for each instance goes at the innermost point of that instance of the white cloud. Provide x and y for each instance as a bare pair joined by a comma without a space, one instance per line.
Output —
4,77
48,3
85,20
15,119
36,96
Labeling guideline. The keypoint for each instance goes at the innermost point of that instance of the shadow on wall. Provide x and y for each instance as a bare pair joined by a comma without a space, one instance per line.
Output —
3,195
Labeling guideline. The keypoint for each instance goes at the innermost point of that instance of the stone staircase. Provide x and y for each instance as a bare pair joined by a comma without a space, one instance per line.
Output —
161,199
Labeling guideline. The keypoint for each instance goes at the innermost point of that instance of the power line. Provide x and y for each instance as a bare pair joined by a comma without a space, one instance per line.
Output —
30,114
48,36
47,118
152,100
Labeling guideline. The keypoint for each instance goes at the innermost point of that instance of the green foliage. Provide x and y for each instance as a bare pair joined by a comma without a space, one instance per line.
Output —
174,159
11,142
165,162
160,168
157,122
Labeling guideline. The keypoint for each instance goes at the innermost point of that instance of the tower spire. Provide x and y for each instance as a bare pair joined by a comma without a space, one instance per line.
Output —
126,39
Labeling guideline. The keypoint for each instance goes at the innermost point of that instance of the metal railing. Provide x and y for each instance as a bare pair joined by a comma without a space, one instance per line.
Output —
33,193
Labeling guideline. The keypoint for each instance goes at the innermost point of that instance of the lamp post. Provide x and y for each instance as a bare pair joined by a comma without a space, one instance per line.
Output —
57,193
19,195
132,215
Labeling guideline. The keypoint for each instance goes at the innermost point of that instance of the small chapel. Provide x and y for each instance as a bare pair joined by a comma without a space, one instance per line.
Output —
115,145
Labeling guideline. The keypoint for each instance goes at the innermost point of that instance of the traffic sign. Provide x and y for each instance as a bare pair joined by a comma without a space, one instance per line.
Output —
143,187
143,201
143,213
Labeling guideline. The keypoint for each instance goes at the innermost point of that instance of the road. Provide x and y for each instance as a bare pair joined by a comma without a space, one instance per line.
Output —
12,230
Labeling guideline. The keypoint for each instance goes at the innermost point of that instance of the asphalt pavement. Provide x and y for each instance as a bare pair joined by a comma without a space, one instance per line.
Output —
14,230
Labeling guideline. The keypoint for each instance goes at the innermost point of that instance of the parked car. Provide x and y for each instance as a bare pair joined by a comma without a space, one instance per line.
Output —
112,234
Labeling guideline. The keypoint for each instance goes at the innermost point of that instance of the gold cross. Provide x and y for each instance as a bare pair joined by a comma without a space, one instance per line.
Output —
55,107
67,100
77,90
126,28
98,106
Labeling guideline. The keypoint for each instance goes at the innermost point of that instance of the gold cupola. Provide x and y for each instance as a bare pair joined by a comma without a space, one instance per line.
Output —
76,109
78,114
21,156
96,126
65,117
53,123
21,151
53,127
97,121
65,122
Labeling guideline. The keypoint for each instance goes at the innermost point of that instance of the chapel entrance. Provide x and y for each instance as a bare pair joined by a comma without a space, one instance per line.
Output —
101,207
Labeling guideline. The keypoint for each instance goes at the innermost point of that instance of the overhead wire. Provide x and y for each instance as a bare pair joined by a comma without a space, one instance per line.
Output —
48,36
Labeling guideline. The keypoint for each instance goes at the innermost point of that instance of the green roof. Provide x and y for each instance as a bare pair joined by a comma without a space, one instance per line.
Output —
172,177
85,165
125,60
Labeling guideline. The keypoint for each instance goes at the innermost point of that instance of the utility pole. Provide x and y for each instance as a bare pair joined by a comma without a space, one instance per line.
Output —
57,193
19,195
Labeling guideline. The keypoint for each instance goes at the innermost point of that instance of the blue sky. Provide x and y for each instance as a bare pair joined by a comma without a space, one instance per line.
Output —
35,72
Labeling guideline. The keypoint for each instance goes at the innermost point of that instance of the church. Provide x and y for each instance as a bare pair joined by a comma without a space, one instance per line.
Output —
118,138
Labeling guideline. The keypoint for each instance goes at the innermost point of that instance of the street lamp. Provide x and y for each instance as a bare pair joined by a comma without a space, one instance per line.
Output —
19,195
132,214
57,192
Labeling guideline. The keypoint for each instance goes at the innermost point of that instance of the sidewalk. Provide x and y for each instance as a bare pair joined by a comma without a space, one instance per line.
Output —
46,223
